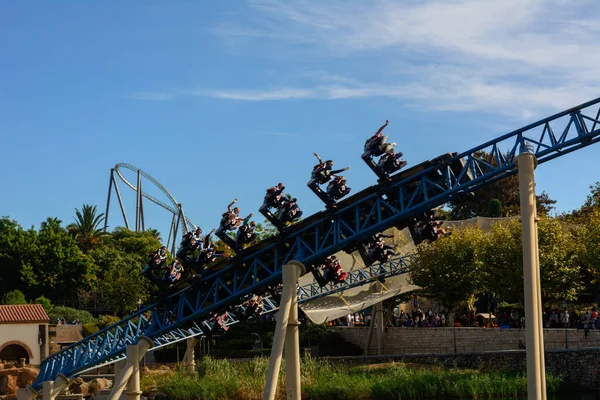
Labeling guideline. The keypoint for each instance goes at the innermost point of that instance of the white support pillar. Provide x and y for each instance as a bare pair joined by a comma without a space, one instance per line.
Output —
379,328
130,375
536,369
291,272
48,390
292,352
29,393
189,358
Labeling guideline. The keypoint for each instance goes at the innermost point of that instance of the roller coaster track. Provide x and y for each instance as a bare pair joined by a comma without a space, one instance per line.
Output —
389,203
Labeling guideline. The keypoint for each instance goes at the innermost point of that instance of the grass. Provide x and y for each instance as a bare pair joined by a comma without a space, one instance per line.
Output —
323,380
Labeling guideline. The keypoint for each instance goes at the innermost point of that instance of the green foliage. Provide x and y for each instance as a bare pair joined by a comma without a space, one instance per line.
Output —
89,329
107,320
495,208
451,269
45,302
472,261
505,190
120,285
71,314
14,297
322,379
86,228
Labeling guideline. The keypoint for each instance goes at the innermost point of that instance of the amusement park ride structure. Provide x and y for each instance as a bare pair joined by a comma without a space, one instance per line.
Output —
175,208
392,202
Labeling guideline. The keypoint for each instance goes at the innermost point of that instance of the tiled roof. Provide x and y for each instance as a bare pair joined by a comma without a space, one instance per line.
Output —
23,313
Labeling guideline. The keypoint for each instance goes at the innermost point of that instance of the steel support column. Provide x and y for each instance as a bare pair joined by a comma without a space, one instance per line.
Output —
135,353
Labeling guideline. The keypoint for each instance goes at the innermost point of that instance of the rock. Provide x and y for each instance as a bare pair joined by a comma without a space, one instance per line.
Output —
83,388
26,376
75,382
98,384
8,384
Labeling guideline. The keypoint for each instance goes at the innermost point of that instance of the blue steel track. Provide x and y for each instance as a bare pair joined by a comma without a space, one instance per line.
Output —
387,204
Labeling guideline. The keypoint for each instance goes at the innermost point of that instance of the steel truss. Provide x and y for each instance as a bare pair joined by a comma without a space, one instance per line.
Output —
108,345
390,203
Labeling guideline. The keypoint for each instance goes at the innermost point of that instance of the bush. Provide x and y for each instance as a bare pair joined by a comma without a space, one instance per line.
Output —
89,329
14,297
45,302
107,320
71,314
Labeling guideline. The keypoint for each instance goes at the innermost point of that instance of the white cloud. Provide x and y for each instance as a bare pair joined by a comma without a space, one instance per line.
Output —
517,56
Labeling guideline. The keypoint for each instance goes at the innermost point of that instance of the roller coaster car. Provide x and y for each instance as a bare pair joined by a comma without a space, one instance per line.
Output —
337,188
221,233
425,228
313,184
252,308
218,322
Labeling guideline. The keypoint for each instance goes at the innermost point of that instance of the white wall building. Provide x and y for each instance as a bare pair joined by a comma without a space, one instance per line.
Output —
23,333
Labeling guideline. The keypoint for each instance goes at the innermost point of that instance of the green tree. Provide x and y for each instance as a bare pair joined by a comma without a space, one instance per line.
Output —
495,208
15,249
451,269
121,259
55,266
505,190
14,297
86,228
45,302
51,223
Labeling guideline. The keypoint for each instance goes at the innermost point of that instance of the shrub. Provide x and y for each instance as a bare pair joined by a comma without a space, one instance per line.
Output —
14,297
71,314
90,329
107,320
45,302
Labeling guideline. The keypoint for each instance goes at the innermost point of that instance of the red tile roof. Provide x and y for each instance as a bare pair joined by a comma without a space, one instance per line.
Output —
23,313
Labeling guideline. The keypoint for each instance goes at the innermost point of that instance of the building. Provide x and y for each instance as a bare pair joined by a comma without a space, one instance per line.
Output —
24,333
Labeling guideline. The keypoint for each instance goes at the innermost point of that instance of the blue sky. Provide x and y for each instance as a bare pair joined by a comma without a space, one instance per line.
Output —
219,100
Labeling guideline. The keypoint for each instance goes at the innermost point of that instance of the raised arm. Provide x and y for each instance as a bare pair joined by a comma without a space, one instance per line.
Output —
230,204
382,127
318,158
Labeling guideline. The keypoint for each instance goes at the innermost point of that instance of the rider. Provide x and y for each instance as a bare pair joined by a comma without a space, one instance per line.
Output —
337,188
157,260
274,197
231,218
173,273
208,255
289,211
333,270
246,233
374,145
378,250
323,171
390,161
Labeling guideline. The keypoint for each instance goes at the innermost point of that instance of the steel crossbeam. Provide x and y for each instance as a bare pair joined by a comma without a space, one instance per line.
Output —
390,203
104,347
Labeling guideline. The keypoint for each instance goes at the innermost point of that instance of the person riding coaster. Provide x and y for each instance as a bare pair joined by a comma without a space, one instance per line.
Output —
156,261
230,219
375,145
332,272
173,273
378,250
323,171
391,161
274,197
336,189
207,256
246,233
250,309
289,211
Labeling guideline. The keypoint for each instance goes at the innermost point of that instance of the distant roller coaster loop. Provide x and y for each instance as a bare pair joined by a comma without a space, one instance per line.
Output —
175,205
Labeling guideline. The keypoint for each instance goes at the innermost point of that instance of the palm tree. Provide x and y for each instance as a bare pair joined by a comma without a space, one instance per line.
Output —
86,227
51,224
155,234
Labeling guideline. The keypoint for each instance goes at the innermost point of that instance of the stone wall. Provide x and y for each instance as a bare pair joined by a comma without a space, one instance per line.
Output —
486,349
579,365
468,340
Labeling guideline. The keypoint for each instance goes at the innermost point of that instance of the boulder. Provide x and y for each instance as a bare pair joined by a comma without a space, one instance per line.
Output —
26,376
8,384
13,378
98,384
75,382
83,388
